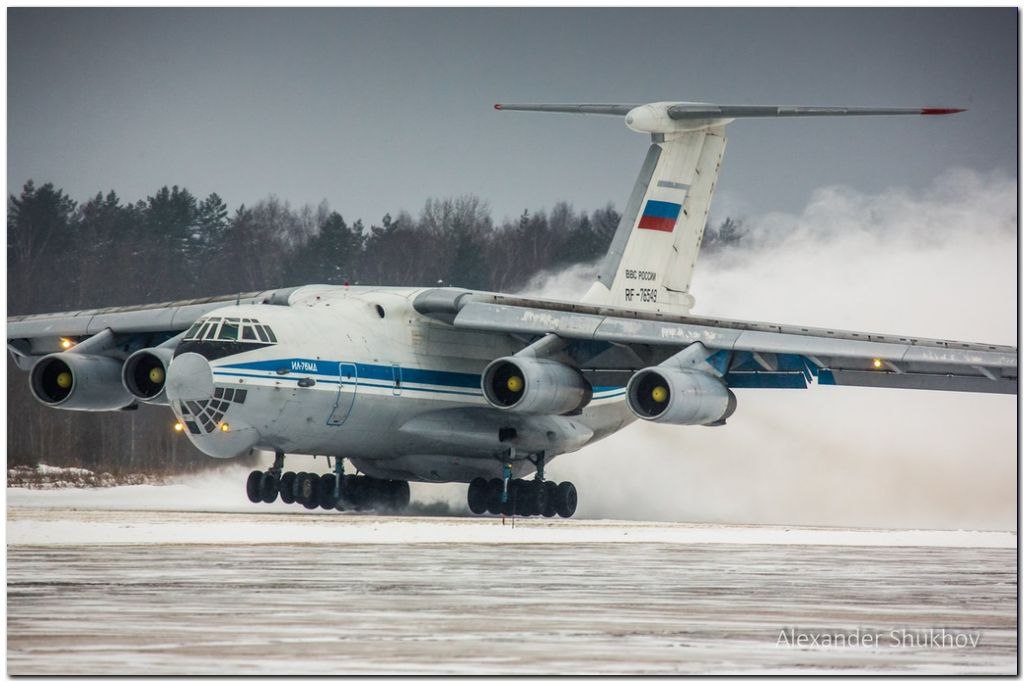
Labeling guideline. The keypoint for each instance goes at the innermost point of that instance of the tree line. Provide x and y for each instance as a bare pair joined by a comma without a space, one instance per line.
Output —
64,254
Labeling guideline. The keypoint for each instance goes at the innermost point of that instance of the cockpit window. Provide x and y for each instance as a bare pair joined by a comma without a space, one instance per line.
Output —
217,337
228,330
191,333
231,329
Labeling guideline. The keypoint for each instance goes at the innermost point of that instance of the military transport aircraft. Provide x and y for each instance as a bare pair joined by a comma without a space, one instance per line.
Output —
446,384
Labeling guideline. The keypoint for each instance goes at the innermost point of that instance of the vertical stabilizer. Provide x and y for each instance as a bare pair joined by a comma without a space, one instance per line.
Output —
654,251
651,260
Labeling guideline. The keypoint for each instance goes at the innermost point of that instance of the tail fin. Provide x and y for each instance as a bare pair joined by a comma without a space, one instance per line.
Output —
654,251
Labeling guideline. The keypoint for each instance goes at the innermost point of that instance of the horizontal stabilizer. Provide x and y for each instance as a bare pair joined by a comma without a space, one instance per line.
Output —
681,111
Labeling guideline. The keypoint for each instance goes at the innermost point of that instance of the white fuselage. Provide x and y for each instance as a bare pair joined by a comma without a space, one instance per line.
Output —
356,372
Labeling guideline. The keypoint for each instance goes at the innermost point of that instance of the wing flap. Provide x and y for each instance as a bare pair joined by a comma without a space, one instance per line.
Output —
753,353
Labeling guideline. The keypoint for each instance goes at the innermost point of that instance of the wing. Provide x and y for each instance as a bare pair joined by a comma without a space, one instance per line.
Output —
29,337
745,354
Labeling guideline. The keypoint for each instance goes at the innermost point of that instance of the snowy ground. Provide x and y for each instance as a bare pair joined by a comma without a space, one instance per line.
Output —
157,579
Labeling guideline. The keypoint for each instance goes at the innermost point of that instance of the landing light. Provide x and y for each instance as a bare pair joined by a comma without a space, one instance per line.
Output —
877,363
66,343
179,427
224,427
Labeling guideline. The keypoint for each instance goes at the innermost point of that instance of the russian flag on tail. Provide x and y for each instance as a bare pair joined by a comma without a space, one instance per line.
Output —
659,215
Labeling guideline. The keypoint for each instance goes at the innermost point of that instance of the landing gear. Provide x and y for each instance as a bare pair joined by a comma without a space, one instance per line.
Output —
477,495
263,486
268,488
327,486
252,486
328,491
365,492
520,497
288,487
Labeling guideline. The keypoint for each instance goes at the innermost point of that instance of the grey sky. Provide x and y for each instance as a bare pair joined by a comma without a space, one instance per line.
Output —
377,110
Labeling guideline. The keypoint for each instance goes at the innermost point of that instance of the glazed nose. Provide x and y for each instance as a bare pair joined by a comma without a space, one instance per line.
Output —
189,378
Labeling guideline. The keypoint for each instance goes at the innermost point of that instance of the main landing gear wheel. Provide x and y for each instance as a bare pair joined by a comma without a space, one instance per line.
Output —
314,490
252,486
525,498
327,499
288,487
565,499
477,495
494,496
306,490
396,495
268,487
550,490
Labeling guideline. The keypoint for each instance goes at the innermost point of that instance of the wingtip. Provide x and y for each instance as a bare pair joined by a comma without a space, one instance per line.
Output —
938,111
497,107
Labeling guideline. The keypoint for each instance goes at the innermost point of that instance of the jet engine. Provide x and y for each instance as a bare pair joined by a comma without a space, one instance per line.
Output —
74,381
535,386
144,374
675,396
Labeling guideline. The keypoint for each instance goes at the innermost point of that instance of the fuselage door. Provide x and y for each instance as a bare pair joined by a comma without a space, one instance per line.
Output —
346,395
396,376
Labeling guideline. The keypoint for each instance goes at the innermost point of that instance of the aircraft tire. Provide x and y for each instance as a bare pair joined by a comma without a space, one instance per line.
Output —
252,486
494,496
398,495
476,496
517,503
288,487
306,490
326,485
268,488
531,498
550,492
566,499
353,492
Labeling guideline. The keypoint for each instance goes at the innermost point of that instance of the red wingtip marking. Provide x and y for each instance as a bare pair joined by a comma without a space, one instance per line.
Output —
940,112
498,107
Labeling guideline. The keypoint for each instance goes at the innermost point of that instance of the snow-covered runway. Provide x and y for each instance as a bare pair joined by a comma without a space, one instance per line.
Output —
254,590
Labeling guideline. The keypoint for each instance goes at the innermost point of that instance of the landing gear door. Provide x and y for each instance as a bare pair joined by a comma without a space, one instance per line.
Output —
346,394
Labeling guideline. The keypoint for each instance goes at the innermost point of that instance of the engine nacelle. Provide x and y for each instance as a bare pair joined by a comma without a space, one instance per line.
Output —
535,386
675,396
72,381
144,374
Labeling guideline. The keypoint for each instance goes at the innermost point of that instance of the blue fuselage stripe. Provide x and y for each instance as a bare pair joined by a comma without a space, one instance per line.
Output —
329,372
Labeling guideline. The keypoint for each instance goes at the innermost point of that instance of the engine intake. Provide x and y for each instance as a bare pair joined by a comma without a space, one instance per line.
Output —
144,374
72,381
674,396
535,386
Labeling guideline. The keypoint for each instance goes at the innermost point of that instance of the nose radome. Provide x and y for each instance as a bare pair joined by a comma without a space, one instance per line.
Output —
189,378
